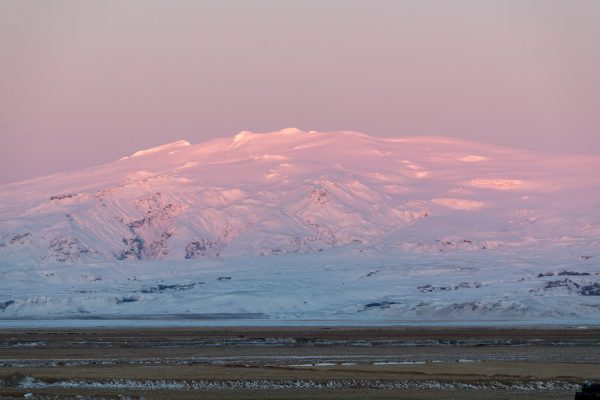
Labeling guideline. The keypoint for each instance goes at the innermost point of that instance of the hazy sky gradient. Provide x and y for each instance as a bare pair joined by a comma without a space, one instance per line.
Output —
85,82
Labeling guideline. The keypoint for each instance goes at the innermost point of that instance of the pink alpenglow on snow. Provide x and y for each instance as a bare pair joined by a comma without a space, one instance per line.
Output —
81,83
294,224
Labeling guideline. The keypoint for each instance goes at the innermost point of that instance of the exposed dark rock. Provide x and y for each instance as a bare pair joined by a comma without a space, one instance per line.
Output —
136,224
155,209
323,233
160,247
566,283
174,287
63,196
133,249
590,290
157,215
19,238
573,273
472,305
462,285
379,304
319,195
127,300
202,248
461,244
6,304
563,273
66,249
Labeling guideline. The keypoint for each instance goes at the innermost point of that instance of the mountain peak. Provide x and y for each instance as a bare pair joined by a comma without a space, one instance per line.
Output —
378,186
292,131
244,136
168,146
428,210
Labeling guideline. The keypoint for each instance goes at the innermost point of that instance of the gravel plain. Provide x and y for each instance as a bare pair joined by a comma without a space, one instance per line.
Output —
298,363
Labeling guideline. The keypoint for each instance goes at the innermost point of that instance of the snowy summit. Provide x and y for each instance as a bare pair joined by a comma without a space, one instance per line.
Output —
295,224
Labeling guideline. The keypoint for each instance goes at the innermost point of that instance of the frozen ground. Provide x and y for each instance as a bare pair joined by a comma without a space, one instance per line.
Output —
352,284
306,227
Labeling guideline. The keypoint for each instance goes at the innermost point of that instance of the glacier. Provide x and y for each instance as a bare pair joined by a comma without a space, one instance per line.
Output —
308,226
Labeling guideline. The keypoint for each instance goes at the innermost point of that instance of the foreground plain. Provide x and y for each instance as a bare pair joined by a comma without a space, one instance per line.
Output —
299,363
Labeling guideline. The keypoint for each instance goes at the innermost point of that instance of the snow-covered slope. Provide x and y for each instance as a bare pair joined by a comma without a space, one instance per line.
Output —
454,229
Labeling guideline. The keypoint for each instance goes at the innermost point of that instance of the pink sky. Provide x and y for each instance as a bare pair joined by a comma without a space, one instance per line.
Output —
85,82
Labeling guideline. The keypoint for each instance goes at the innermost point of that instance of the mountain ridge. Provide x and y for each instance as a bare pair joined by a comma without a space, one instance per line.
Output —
309,225
341,182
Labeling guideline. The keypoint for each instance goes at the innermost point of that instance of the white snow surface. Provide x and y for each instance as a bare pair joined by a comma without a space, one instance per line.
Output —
315,226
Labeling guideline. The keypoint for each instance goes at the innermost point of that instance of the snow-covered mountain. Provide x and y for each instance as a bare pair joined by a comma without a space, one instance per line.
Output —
522,224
